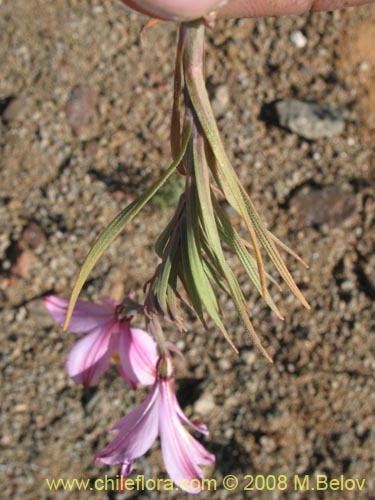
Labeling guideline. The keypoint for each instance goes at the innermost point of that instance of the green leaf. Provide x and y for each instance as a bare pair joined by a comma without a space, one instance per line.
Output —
288,250
271,249
176,109
188,282
209,227
212,269
164,271
163,238
172,295
221,167
223,170
116,226
233,240
196,269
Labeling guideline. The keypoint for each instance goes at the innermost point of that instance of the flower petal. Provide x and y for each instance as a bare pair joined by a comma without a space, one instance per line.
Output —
181,452
137,432
138,356
86,315
197,426
90,357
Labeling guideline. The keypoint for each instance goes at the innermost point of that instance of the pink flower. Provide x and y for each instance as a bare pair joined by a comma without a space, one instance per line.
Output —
160,414
107,335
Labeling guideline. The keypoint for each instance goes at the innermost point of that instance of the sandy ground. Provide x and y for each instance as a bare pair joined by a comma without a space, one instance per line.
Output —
66,173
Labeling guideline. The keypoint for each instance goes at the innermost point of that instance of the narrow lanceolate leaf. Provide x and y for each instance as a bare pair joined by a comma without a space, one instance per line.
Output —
271,249
173,309
196,268
224,173
201,281
213,269
162,282
288,250
163,238
165,268
234,241
176,109
187,280
209,227
117,225
226,176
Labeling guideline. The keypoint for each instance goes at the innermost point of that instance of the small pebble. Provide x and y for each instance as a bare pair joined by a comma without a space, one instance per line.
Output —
221,100
80,106
205,404
298,39
330,205
310,120
33,236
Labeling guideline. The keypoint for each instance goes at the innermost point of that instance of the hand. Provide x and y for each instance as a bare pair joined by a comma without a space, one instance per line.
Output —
259,8
182,10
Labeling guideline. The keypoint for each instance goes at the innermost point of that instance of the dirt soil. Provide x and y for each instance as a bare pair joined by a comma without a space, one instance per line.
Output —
83,129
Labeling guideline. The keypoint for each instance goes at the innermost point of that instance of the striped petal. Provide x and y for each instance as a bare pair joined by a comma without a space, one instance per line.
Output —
182,453
137,432
90,357
138,356
86,317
